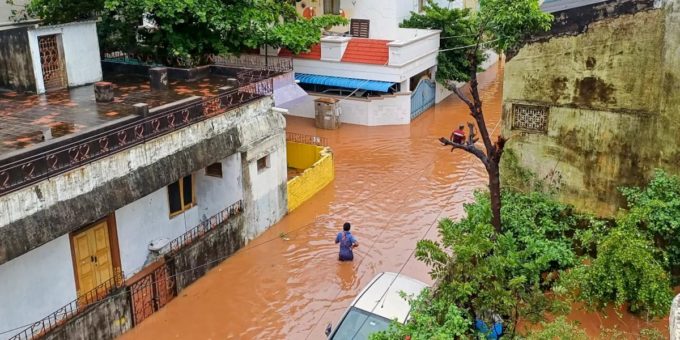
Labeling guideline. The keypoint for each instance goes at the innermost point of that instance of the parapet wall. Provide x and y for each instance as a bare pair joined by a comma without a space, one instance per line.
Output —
319,171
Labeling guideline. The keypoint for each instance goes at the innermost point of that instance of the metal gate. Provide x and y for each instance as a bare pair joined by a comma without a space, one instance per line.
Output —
152,291
51,62
422,98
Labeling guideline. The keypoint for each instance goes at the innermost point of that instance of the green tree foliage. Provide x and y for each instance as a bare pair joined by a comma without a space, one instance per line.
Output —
655,209
457,26
625,271
507,276
481,272
186,32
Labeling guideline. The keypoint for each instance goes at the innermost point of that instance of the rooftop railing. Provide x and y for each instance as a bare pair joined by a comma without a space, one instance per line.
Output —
54,159
306,139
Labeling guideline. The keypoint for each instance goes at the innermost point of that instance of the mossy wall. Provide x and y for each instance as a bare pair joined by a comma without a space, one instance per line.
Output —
613,93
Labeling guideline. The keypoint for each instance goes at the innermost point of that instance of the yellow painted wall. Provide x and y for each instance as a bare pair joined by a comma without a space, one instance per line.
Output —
302,156
319,173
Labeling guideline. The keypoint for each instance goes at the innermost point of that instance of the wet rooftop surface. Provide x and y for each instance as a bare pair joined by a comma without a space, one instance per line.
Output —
24,117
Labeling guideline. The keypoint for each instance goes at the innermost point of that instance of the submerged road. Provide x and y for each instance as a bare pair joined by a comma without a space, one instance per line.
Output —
392,183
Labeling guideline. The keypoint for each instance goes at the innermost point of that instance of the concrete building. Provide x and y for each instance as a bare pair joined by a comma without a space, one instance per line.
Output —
595,102
95,189
382,74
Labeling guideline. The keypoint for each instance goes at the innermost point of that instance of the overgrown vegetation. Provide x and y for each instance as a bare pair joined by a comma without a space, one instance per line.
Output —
546,257
186,33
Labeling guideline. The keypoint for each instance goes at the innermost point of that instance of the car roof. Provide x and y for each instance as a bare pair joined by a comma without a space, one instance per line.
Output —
390,305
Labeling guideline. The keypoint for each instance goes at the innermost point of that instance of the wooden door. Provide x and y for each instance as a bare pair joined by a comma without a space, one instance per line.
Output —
92,253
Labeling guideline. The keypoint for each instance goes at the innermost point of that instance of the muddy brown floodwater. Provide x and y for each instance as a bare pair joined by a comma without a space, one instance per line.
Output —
392,183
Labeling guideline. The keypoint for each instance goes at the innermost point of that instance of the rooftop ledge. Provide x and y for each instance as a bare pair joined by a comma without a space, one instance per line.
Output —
85,130
417,35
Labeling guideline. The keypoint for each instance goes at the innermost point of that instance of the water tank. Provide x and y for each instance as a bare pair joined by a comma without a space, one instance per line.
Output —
327,113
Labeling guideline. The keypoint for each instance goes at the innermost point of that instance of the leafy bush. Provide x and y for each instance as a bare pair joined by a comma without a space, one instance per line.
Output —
483,273
429,319
625,271
655,209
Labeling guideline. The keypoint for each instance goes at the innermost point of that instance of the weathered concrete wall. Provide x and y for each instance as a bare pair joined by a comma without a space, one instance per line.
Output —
103,320
209,251
35,215
319,171
613,95
266,201
16,68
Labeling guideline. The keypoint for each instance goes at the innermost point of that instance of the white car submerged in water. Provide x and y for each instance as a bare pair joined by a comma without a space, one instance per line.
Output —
376,306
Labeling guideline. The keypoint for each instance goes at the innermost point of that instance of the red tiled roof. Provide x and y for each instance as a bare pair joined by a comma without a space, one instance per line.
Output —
367,51
314,53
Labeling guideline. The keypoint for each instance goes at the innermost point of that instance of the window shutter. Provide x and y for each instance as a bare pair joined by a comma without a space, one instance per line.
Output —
359,28
327,6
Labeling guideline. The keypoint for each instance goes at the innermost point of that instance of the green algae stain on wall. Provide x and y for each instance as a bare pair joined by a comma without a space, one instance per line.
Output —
614,106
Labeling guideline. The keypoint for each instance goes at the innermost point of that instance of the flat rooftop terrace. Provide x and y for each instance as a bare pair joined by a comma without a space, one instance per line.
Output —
45,135
23,118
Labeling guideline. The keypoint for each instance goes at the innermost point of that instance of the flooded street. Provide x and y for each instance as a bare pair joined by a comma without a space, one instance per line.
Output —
392,183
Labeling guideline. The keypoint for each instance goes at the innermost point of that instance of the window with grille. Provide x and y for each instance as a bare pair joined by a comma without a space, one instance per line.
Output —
181,195
532,118
214,170
359,28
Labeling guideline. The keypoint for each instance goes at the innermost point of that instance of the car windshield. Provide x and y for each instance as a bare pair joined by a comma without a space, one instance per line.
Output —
359,324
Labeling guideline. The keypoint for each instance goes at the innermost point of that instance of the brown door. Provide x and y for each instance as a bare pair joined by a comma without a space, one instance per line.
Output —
92,257
52,62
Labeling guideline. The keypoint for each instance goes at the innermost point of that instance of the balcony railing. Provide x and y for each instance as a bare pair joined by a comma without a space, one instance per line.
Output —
57,159
71,309
190,236
306,139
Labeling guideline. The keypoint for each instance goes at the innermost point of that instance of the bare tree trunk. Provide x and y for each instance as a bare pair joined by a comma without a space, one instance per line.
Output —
495,194
491,156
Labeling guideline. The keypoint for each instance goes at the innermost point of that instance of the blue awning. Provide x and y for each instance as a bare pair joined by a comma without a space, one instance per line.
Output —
348,83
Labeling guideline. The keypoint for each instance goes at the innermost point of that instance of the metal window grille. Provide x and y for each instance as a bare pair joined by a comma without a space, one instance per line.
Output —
531,118
51,62
359,28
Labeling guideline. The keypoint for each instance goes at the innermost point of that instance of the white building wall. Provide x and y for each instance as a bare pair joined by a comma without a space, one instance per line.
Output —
36,284
267,201
148,219
387,110
81,52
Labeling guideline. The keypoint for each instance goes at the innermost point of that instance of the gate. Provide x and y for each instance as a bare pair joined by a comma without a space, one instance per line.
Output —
51,62
422,98
152,291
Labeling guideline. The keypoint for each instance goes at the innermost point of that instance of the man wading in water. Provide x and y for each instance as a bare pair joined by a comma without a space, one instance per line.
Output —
347,243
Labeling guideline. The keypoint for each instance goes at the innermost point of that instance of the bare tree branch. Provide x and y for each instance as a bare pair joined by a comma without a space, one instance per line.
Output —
471,148
453,88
